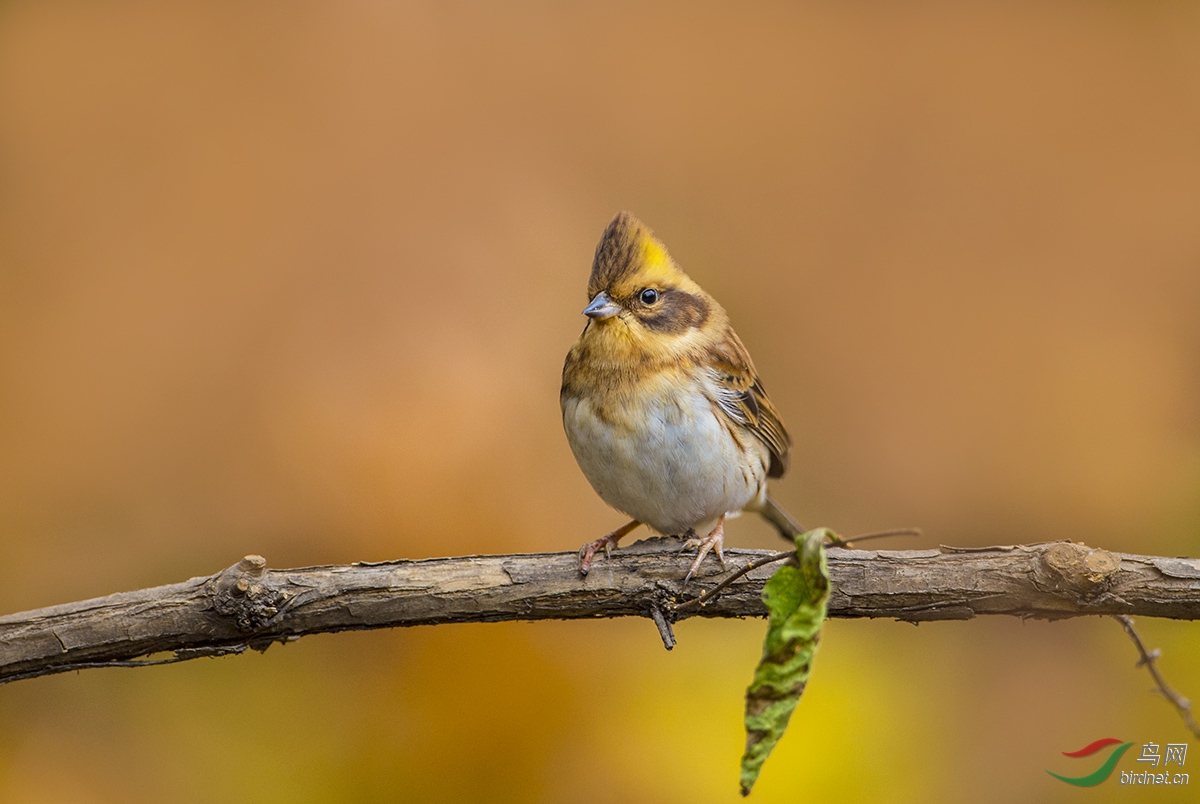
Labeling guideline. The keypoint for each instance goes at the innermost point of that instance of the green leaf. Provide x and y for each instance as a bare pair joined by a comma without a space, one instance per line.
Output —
796,596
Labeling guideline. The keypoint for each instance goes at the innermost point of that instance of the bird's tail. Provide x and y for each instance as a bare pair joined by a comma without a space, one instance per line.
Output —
788,528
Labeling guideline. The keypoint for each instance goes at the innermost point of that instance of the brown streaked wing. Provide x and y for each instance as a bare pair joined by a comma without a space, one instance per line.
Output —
740,394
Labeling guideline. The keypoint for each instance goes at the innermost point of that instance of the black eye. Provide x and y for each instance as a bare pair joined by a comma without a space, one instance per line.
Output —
648,296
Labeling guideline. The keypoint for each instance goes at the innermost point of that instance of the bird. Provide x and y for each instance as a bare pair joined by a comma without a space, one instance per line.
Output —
662,406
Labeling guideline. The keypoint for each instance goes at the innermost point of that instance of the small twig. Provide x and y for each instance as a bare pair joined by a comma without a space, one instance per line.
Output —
1147,658
762,562
664,627
838,541
733,576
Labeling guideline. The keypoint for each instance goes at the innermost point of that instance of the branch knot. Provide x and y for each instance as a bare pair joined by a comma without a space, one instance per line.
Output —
1077,568
244,594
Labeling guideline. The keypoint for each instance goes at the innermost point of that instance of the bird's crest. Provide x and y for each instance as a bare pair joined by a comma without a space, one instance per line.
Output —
627,249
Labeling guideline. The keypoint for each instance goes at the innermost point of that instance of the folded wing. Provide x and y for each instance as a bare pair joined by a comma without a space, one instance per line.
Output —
741,396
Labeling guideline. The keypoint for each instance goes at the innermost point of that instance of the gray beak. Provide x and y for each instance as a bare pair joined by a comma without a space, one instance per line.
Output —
601,307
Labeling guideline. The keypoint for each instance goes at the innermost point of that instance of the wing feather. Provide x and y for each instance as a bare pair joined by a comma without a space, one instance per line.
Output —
741,396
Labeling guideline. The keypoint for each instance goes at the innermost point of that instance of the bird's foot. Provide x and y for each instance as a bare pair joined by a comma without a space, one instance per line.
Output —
608,542
714,541
588,552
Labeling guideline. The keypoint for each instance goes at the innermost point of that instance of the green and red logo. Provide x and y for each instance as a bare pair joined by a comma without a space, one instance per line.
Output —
1101,773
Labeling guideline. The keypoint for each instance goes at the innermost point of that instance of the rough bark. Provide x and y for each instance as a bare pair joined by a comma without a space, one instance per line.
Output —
250,606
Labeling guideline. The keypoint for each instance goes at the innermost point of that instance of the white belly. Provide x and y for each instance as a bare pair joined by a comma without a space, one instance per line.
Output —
676,467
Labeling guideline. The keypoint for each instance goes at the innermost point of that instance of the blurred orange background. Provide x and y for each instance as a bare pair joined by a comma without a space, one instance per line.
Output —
297,279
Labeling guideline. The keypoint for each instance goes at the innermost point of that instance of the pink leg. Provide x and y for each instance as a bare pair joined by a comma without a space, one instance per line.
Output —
588,551
715,540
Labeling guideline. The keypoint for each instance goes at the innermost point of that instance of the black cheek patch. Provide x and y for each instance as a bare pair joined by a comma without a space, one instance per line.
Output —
676,313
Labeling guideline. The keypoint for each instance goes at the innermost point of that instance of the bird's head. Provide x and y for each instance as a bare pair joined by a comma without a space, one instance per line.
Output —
640,299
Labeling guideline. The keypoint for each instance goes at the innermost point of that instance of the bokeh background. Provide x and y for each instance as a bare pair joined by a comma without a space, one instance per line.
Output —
298,278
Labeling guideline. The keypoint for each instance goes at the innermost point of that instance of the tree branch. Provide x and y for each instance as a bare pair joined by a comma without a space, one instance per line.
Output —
250,606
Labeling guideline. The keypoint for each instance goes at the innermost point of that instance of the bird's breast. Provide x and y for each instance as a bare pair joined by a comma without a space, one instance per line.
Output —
661,451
